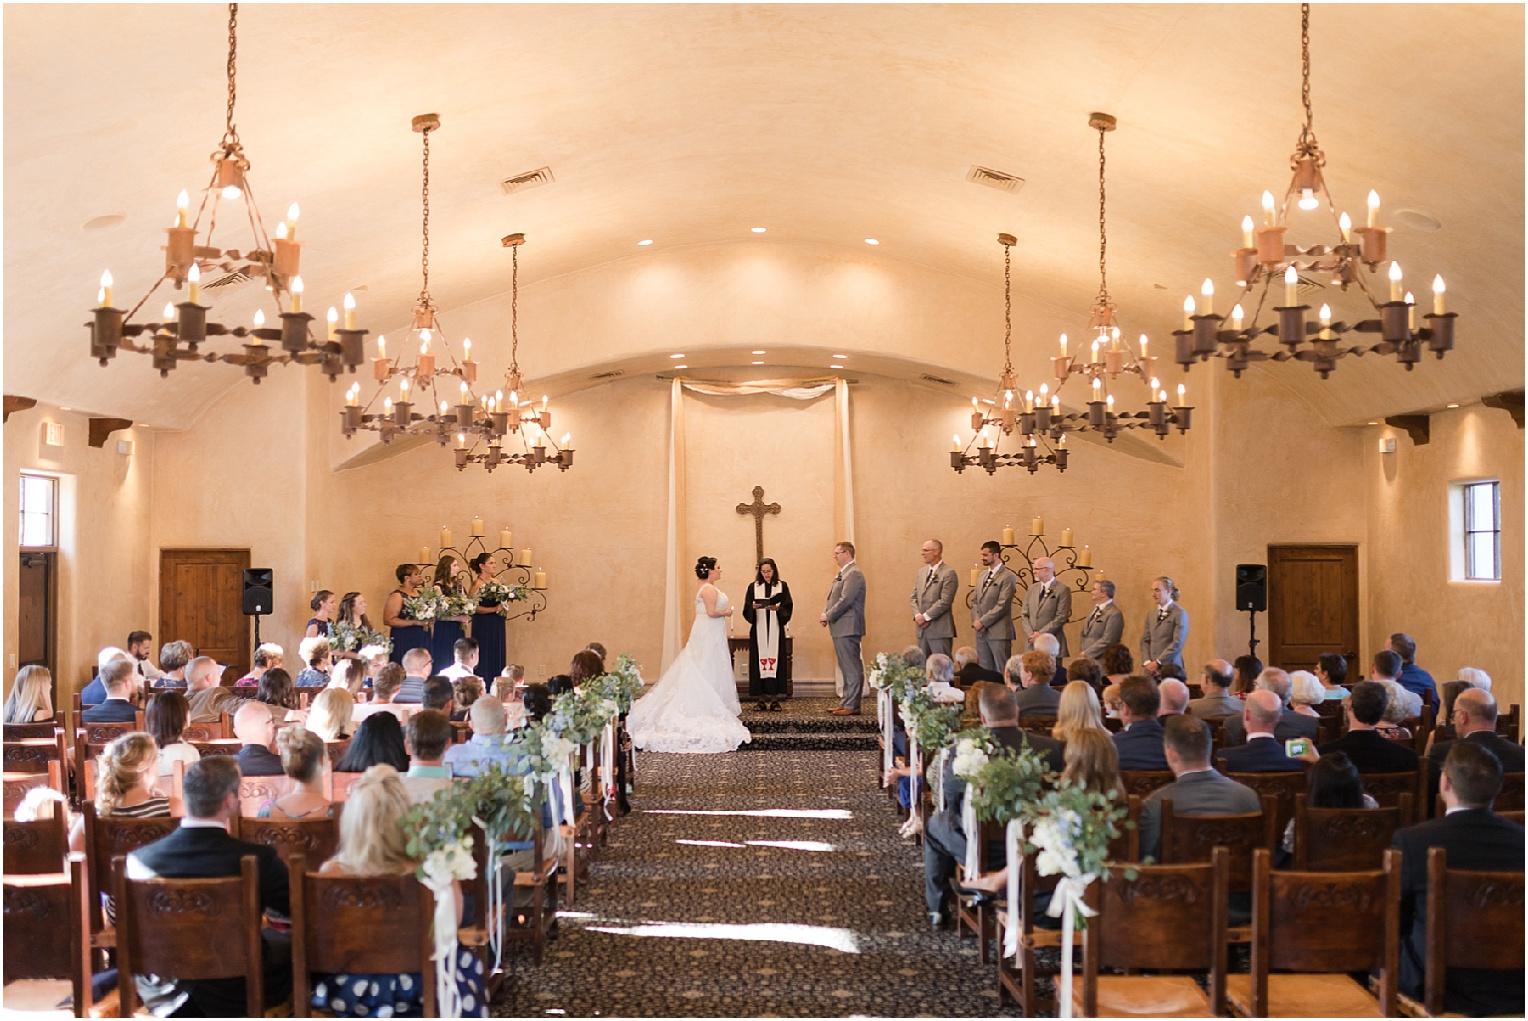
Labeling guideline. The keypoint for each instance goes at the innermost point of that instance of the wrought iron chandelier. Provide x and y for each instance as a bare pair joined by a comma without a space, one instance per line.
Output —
421,379
183,326
1264,260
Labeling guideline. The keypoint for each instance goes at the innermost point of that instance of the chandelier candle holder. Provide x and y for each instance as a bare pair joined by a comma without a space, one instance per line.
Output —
1266,260
430,379
184,326
525,586
1074,565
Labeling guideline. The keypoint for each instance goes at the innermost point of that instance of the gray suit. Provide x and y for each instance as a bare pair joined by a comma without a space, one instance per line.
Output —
1047,611
993,609
934,596
1204,793
1101,629
1217,705
846,623
1162,640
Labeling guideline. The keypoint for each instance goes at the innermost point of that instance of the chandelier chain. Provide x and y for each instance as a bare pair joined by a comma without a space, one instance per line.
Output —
1307,147
424,260
231,133
1007,310
514,311
1103,227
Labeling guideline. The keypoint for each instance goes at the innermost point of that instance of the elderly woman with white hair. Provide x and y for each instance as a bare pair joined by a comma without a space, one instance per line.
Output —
1475,677
1305,692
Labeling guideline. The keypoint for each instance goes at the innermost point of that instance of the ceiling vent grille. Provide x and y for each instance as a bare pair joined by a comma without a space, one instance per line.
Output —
1309,285
529,179
230,279
611,374
936,379
994,179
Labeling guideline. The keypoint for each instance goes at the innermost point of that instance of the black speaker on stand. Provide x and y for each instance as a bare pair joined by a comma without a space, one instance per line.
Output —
1252,596
258,582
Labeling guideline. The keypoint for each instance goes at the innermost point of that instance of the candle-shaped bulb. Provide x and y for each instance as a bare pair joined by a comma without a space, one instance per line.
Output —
461,441
443,407
1438,291
1188,312
1143,345
352,396
194,280
333,318
403,387
105,294
1236,319
466,352
387,405
1395,281
1155,383
169,312
1246,232
1373,208
424,342
297,294
1345,222
182,208
381,346
1061,441
1063,345
1326,315
1055,403
1411,299
1182,403
1308,199
1098,386
567,439
543,402
259,319
1109,402
464,391
514,399
1044,389
955,443
1291,287
281,231
1207,291
291,221
1268,209
974,403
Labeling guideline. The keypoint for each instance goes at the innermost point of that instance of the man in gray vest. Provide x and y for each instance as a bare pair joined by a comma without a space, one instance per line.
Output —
1047,606
933,597
844,617
992,609
1105,625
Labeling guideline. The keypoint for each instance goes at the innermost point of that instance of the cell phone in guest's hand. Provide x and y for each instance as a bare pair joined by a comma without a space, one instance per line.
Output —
1296,747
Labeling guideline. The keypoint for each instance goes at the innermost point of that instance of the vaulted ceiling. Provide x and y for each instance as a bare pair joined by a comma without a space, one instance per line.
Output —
690,124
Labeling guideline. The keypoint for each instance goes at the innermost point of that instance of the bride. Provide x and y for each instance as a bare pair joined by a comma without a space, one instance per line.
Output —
694,706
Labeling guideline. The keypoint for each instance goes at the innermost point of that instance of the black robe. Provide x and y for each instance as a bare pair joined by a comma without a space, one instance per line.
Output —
756,685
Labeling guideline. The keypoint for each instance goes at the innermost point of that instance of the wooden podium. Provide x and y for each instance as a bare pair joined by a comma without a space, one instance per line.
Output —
736,645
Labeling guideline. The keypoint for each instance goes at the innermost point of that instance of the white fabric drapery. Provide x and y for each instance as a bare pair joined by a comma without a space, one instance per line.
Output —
676,597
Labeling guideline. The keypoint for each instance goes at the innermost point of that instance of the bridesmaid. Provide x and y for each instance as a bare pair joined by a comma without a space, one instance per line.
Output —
444,637
487,625
405,632
323,614
353,612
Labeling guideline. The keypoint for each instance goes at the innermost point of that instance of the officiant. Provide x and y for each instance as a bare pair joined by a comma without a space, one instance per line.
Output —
767,608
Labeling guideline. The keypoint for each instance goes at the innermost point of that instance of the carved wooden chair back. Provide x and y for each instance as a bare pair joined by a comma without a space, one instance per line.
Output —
44,920
1344,839
1191,838
314,839
1142,782
18,785
1477,915
37,848
108,838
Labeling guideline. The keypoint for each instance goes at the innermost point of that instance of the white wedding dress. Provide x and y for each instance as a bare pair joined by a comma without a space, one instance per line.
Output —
694,707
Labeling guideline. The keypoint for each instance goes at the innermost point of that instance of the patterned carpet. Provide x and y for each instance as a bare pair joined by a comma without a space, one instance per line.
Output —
817,913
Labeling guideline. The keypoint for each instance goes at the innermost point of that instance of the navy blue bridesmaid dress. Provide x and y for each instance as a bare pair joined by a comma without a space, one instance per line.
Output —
411,636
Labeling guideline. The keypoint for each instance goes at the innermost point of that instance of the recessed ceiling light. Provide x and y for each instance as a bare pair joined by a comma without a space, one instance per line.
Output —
681,366
647,241
760,230
756,363
1451,405
676,356
840,356
71,409
758,352
871,241
1374,423
835,365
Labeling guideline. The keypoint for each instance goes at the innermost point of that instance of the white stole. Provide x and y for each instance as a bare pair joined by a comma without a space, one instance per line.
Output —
766,630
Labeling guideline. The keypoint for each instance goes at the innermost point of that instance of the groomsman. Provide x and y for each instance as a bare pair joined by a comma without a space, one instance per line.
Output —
1166,627
933,597
844,617
1047,606
992,610
1104,626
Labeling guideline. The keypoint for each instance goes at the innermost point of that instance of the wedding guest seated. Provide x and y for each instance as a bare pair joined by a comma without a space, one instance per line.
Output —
1402,704
1084,669
464,692
279,696
514,675
1245,670
1475,677
559,684
426,739
348,675
913,657
1474,720
379,739
1173,693
1217,702
202,849
416,666
1370,751
94,693
1108,699
374,842
598,649
303,759
1410,676
1117,663
329,715
31,697
1290,725
438,694
969,670
127,778
1475,838
119,679
1037,697
318,658
465,654
1140,743
165,719
208,700
1262,752
1332,672
172,661
1171,672
268,655
586,666
1077,711
139,645
384,699
944,842
375,657
487,744
255,728
1305,693
1331,783
1051,645
1197,789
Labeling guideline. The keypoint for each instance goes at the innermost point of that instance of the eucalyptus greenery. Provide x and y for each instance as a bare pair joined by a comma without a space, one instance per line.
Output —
937,727
1008,784
890,672
347,637
499,800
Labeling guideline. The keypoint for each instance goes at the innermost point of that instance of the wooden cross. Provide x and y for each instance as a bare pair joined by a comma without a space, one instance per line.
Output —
758,509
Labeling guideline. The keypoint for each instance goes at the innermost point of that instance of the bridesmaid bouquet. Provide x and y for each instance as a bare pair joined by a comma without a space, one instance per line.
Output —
428,606
459,605
345,637
501,593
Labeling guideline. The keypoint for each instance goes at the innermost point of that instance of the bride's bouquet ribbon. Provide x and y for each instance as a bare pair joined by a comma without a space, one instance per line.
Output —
1068,903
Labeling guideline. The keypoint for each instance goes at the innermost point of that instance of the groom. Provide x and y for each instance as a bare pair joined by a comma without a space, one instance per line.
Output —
844,617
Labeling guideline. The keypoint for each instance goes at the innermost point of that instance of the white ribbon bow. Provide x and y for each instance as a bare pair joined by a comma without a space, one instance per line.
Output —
973,831
888,722
917,773
1067,902
1013,836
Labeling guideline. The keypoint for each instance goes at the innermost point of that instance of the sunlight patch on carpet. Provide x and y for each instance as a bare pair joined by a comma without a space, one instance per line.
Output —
764,813
766,932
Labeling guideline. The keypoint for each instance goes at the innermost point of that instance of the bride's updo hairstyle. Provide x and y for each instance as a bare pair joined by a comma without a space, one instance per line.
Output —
704,566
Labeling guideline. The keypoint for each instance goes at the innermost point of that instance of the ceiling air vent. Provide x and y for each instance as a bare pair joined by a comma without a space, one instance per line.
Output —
994,179
935,379
527,180
611,374
229,279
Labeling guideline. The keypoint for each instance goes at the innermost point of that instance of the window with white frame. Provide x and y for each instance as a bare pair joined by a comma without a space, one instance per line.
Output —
39,511
1482,531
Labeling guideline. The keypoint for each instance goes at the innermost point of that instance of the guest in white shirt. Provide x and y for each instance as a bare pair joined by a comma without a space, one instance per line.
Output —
465,651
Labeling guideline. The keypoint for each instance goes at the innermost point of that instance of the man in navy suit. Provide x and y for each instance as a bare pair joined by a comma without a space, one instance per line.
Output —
1037,698
1263,752
94,693
1140,743
117,678
254,725
1412,677
944,841
1474,838
202,849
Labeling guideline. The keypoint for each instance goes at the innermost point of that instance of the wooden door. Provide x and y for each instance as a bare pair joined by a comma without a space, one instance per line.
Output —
201,602
1312,605
34,612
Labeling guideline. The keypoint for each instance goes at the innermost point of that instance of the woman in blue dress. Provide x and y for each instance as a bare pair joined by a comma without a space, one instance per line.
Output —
487,625
406,632
444,636
321,624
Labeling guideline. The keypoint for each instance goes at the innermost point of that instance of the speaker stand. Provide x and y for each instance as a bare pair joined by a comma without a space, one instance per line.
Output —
257,631
1251,639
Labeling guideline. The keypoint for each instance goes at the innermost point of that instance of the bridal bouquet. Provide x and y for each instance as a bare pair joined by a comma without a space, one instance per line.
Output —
346,637
428,606
459,605
496,591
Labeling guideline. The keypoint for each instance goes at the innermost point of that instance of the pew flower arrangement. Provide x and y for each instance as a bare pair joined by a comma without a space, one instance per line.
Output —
545,750
938,726
971,754
890,672
347,637
620,684
579,716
